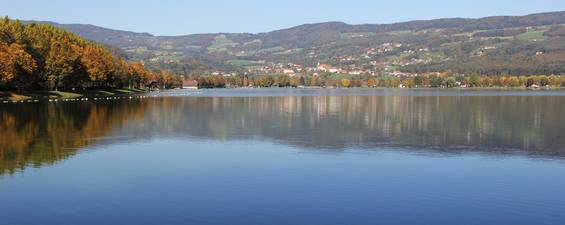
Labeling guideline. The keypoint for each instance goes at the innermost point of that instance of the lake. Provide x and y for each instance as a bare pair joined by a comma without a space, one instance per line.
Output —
287,156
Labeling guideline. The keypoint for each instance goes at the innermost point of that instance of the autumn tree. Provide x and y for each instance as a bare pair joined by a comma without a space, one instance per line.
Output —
41,56
236,81
371,83
314,81
283,81
295,81
345,83
245,81
408,83
7,63
98,63
62,61
266,81
139,76
15,64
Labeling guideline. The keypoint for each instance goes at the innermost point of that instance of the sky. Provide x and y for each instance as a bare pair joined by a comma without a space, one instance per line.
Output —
176,17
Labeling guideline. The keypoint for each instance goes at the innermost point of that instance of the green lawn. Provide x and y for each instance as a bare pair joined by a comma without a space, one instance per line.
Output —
339,76
17,96
348,36
532,36
236,62
10,96
128,91
112,92
254,42
221,43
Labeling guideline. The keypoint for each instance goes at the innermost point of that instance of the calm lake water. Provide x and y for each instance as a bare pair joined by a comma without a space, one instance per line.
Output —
287,156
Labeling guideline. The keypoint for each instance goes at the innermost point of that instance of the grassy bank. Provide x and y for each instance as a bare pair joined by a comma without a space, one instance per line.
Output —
39,95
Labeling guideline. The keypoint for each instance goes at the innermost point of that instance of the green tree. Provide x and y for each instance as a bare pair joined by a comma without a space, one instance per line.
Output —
451,82
436,81
513,82
544,81
418,81
475,81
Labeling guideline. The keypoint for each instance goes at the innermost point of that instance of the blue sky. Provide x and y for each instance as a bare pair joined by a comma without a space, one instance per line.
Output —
176,17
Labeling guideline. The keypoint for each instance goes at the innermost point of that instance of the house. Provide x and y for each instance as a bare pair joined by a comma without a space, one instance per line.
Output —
190,84
327,68
288,71
323,67
334,70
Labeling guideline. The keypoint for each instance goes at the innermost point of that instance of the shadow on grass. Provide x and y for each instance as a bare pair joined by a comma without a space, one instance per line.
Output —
51,94
112,92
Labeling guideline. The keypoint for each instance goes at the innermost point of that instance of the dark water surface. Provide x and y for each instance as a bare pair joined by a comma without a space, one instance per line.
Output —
286,156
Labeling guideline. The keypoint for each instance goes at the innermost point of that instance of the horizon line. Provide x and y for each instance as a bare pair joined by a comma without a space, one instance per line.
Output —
284,28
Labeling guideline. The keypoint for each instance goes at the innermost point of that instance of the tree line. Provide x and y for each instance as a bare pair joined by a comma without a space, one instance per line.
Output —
43,57
435,80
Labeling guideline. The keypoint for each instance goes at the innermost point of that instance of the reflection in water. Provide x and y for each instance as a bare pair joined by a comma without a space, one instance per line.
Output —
45,133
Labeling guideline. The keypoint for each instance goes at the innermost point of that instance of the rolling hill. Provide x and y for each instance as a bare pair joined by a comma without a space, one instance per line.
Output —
492,45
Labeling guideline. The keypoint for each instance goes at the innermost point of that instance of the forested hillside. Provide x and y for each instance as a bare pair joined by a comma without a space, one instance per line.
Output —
511,45
44,57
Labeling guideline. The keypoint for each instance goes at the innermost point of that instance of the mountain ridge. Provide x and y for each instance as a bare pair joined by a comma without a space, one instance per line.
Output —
446,39
455,19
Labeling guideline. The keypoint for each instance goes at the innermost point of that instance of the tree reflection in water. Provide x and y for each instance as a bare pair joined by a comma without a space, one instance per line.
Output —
45,133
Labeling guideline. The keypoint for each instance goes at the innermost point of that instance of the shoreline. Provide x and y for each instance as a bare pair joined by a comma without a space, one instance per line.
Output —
36,96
